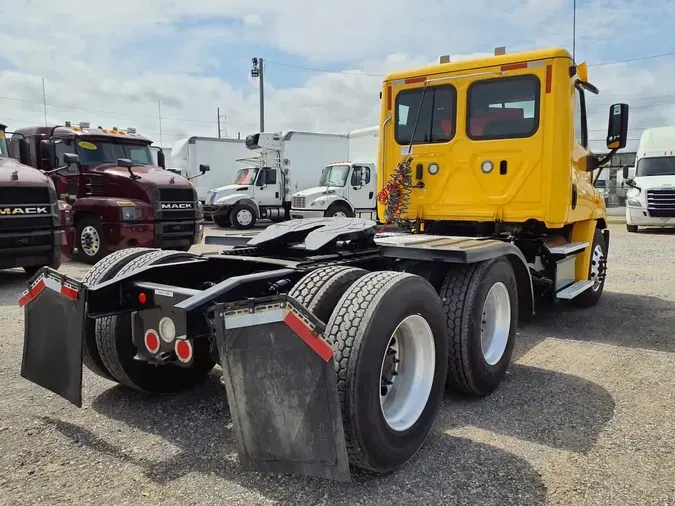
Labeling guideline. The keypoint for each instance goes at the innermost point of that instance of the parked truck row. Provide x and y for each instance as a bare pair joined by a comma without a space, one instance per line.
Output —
36,228
117,197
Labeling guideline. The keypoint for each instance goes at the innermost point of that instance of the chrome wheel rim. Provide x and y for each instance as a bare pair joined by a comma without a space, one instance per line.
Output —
340,214
597,267
244,217
407,373
495,323
90,241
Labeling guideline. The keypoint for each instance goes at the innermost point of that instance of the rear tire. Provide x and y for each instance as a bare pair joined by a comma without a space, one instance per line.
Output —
222,221
114,343
104,270
360,331
632,228
320,290
597,271
481,307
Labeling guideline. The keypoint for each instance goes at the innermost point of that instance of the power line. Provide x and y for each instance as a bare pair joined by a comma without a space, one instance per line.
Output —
360,73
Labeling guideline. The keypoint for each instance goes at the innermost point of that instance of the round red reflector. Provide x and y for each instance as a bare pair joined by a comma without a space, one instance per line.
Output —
183,350
142,298
151,341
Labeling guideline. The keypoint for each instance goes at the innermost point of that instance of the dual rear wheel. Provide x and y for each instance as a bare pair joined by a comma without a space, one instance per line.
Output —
398,342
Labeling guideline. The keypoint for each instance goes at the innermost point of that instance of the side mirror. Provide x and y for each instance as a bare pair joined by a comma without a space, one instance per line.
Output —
24,151
262,178
161,159
203,168
125,162
617,130
70,159
625,173
47,154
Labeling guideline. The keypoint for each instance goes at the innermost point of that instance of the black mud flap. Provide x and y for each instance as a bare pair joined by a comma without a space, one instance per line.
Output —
281,387
54,307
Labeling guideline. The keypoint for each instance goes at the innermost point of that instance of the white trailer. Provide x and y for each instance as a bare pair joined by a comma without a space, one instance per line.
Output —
220,155
345,188
282,163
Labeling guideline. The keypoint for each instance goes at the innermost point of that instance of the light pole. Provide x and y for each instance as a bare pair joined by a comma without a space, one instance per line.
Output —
224,118
574,29
258,71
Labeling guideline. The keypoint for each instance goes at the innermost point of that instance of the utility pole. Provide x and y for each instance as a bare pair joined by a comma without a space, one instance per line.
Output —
159,114
574,30
258,71
221,129
44,99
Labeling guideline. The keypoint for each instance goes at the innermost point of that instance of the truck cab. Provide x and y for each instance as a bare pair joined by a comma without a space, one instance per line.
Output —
650,198
35,227
346,189
119,197
259,190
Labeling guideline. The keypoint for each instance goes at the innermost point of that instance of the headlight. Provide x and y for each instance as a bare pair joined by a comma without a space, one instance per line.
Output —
633,203
318,203
130,211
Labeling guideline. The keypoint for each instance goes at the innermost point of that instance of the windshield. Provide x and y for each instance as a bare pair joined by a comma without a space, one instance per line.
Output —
93,152
657,166
334,175
3,146
246,176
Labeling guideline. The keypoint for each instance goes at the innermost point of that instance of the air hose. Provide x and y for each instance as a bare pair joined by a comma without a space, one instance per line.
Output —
397,192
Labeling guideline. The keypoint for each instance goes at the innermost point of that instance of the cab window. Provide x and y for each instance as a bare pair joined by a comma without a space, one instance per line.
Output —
433,109
504,108
356,175
580,126
60,149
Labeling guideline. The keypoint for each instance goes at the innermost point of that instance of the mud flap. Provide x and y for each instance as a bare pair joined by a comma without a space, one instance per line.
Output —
282,389
54,312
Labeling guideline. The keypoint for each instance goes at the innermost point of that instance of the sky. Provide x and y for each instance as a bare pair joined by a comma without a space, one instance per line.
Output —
128,63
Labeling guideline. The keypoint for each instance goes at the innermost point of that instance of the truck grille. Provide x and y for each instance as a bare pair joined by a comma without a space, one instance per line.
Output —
23,208
177,204
298,202
661,203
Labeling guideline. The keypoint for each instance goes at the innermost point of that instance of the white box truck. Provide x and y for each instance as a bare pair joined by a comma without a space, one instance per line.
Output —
283,163
345,188
190,156
650,199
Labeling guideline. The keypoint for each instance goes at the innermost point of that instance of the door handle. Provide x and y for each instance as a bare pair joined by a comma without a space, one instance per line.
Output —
370,195
276,195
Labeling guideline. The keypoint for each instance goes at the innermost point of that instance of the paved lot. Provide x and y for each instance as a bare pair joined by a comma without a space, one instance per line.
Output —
586,416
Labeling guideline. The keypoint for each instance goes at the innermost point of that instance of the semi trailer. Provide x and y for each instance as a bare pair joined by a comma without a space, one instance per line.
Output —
36,228
119,198
337,340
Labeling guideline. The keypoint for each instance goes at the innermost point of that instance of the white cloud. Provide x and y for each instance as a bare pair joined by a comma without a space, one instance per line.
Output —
111,62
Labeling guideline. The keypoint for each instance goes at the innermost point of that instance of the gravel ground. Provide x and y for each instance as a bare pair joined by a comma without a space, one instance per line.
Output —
586,416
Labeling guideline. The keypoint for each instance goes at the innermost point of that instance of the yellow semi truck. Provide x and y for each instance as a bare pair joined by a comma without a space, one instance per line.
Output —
336,339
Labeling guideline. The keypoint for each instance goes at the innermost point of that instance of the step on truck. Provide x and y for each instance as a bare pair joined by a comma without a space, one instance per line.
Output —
36,228
119,198
347,188
336,340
